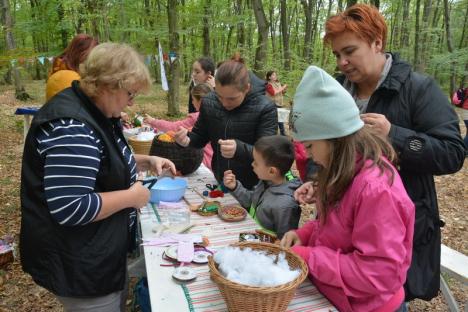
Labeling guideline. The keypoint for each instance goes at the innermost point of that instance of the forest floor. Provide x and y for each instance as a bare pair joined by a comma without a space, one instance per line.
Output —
19,293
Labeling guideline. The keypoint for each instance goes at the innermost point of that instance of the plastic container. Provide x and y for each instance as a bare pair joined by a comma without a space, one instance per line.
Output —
168,189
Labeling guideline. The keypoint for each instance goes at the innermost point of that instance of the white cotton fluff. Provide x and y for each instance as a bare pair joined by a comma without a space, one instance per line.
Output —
254,267
145,136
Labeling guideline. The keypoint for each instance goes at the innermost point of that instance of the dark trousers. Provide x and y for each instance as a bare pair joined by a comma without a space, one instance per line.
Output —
281,128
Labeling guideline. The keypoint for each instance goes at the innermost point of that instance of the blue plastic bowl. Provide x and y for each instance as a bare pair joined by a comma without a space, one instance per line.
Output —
168,190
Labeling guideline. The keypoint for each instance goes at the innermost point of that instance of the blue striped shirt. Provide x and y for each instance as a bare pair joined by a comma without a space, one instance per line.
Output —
72,154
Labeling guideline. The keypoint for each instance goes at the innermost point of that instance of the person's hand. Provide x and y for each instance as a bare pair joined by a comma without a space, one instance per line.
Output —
124,116
211,81
228,148
160,165
140,193
290,239
305,194
229,180
377,122
181,137
148,119
285,86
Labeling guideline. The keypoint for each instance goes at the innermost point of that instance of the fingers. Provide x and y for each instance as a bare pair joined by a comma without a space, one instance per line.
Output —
211,81
229,180
227,148
181,136
287,239
167,164
141,195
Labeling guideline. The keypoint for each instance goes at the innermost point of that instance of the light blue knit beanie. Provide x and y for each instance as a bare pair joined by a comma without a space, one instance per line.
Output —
323,109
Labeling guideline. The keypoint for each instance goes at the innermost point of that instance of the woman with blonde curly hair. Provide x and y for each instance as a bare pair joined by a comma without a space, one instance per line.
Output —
79,188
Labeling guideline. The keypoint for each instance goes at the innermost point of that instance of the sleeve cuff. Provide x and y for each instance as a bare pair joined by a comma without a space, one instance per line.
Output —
302,252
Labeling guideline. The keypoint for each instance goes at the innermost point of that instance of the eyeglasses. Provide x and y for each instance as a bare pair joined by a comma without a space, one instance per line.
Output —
131,95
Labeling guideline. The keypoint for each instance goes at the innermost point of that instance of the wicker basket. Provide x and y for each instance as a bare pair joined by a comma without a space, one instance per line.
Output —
186,159
240,297
140,147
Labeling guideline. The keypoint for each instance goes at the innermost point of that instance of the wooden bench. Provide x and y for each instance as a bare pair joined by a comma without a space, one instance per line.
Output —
454,264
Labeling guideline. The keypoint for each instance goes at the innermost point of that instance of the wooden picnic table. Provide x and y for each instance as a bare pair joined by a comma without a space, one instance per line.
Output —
202,294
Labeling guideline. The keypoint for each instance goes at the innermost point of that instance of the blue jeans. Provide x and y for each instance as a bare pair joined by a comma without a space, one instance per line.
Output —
281,128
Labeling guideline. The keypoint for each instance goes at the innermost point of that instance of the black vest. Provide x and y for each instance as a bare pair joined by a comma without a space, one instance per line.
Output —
74,261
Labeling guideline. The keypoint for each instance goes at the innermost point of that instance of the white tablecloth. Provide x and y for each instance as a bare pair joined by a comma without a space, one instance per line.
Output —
283,115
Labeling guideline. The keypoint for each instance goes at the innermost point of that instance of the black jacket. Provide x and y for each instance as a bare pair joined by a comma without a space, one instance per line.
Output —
426,136
254,118
74,261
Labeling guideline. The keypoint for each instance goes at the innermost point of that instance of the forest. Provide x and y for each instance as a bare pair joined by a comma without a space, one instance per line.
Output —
283,35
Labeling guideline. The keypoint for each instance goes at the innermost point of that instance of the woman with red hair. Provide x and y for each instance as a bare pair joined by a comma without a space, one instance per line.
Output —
412,112
65,67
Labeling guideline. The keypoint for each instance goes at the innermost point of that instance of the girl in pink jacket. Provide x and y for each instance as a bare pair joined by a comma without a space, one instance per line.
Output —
359,249
197,93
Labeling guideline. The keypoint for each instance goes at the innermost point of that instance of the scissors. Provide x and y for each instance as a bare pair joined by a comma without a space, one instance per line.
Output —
211,187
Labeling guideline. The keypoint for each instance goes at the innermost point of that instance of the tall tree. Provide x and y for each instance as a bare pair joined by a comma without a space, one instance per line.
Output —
174,67
324,54
449,45
350,3
416,34
262,43
308,6
404,27
273,24
63,30
206,27
240,25
422,59
20,92
463,37
285,35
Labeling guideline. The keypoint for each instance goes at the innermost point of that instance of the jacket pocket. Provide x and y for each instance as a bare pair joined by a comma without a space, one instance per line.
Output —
424,226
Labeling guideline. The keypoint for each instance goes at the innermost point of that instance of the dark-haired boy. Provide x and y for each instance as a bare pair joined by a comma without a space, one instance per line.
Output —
271,202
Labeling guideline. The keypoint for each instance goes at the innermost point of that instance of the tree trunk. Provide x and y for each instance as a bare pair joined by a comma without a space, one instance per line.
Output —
20,93
350,3
285,35
37,47
308,8
206,28
394,28
421,67
448,31
262,43
63,30
174,67
314,29
340,5
93,11
463,36
240,26
416,34
228,41
324,54
273,22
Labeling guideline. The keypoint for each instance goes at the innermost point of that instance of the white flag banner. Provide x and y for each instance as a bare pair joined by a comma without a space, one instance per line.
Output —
164,84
